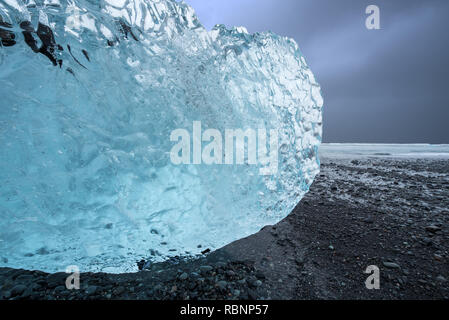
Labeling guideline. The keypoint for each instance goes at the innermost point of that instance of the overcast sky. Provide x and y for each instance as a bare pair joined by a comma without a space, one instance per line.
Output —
388,85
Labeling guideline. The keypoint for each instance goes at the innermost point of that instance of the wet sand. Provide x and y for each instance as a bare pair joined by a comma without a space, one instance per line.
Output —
388,212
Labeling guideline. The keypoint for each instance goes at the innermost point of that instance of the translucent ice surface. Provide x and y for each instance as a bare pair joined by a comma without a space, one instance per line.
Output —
92,94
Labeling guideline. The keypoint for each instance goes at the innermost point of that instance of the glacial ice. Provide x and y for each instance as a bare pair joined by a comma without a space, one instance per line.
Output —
90,94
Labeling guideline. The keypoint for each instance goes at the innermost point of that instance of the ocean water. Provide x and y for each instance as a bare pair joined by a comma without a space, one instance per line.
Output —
356,150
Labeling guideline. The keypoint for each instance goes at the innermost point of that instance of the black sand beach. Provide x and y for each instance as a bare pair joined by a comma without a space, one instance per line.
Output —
392,213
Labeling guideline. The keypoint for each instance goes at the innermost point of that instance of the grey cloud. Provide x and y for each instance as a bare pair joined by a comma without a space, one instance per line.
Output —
387,85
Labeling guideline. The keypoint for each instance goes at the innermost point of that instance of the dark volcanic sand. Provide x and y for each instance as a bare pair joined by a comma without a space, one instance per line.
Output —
370,211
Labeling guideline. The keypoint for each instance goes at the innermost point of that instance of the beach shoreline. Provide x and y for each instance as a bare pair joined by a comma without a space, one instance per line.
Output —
388,212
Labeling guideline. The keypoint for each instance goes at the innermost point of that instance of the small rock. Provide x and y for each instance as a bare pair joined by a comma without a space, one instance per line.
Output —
118,291
60,289
25,278
230,273
256,283
422,281
205,269
56,279
18,290
41,282
433,228
440,278
150,292
428,242
391,265
91,290
141,264
222,284
252,295
28,292
183,276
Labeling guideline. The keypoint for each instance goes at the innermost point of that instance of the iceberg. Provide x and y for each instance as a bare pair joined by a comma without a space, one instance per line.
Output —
129,131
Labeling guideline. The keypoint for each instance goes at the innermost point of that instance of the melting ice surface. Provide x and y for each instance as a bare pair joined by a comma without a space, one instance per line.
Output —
90,92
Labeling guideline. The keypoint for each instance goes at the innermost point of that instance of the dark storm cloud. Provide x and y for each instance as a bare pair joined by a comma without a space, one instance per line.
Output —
388,85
